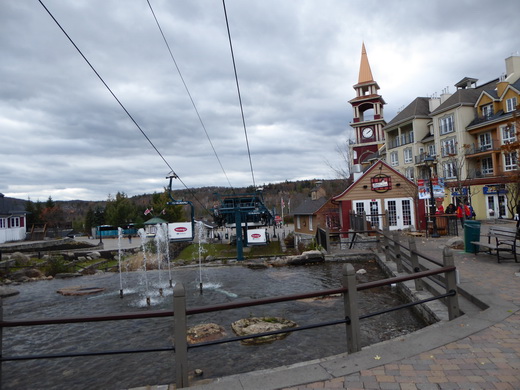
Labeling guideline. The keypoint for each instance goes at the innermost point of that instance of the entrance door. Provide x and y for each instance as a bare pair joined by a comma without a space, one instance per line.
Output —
400,213
496,206
372,209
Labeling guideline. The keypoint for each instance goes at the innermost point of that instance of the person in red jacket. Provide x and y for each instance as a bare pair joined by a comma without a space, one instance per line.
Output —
460,214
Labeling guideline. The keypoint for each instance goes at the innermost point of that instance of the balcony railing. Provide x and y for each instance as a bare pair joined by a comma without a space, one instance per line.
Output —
477,148
404,139
420,158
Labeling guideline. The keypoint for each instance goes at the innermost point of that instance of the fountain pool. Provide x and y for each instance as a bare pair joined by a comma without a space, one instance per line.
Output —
221,284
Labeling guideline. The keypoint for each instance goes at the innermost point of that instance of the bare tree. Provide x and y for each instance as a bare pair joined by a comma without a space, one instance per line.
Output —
343,169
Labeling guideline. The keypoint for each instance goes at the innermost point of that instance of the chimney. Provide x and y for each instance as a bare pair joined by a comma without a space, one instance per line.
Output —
512,69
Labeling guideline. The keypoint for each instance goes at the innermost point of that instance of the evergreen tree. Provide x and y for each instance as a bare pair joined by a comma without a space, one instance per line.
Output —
120,211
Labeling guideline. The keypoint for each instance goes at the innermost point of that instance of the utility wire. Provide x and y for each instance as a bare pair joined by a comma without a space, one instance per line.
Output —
188,92
238,90
172,172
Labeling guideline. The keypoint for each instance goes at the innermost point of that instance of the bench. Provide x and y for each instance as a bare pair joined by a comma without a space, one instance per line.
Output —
500,239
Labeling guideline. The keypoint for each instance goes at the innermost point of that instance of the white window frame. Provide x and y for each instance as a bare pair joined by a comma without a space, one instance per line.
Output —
448,146
446,124
487,110
510,161
511,104
485,141
394,159
508,134
3,223
408,157
486,165
409,173
450,170
431,150
15,222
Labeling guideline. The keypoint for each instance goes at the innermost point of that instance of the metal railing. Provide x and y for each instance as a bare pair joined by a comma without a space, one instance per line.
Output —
392,247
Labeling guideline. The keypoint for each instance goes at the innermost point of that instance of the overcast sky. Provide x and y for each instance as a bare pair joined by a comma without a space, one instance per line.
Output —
62,134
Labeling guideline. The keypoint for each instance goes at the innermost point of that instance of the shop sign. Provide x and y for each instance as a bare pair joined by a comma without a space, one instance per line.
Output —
381,183
494,189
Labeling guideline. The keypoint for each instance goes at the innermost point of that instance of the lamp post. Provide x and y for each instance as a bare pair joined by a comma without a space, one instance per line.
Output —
429,163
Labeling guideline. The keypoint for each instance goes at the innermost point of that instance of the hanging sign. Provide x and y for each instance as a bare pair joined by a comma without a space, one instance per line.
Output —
256,237
179,231
381,183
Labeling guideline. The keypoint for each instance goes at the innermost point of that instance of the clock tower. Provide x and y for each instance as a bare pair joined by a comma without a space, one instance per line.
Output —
368,121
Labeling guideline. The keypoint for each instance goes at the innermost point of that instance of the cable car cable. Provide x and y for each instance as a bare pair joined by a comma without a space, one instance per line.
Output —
122,106
238,91
188,92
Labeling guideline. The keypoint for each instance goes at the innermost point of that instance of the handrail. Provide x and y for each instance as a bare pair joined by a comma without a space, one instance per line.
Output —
180,347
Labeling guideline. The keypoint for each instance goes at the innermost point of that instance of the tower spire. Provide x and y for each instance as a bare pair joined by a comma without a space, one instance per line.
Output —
365,73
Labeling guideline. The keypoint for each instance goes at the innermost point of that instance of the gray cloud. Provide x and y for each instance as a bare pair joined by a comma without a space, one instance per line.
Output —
63,135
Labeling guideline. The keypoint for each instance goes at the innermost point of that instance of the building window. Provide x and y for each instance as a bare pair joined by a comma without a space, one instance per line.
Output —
431,150
446,124
487,166
15,221
394,159
510,161
511,104
487,110
3,223
508,134
298,222
450,170
484,141
408,156
448,147
409,173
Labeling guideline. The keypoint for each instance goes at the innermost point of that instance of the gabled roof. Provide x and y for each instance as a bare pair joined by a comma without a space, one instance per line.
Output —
11,206
309,207
515,86
369,171
419,108
463,97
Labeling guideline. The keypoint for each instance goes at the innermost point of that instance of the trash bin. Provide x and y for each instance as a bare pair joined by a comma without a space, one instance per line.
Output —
471,233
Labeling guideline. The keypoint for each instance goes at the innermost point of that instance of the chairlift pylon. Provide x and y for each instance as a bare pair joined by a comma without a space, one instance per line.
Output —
180,231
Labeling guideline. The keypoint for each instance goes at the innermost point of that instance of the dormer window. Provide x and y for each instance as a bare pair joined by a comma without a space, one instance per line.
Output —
487,111
511,104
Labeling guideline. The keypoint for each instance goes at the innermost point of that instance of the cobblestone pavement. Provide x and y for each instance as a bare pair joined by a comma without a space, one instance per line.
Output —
488,359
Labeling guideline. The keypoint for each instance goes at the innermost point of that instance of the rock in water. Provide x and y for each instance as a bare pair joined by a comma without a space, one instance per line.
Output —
254,325
205,332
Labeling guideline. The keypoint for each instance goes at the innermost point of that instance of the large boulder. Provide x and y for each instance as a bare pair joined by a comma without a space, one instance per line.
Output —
308,257
205,332
255,325
20,258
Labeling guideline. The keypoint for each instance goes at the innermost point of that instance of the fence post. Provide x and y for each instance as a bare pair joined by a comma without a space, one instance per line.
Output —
364,224
397,251
414,259
451,284
350,302
386,232
179,336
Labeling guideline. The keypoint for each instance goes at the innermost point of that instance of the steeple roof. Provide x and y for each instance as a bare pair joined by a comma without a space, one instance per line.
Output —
365,73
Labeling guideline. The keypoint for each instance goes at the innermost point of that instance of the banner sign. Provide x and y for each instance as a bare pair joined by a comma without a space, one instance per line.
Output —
424,188
256,237
180,231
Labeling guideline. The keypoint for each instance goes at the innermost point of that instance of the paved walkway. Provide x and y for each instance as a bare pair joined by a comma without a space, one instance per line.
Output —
476,351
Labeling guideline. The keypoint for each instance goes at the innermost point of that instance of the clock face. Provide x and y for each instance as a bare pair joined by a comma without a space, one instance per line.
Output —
368,132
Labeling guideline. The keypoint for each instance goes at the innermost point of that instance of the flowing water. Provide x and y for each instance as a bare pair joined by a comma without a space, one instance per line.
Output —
221,285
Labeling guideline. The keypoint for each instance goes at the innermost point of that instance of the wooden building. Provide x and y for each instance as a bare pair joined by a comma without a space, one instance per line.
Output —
386,196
